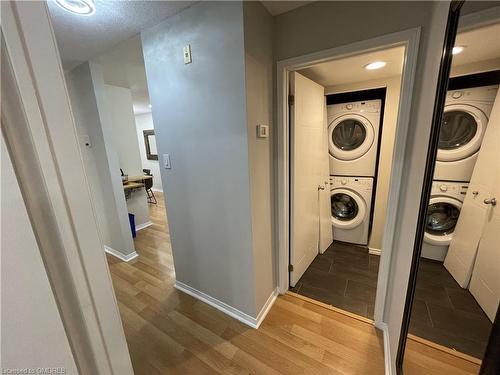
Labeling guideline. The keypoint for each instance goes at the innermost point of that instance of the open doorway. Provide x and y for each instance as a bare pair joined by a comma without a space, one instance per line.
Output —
348,120
360,95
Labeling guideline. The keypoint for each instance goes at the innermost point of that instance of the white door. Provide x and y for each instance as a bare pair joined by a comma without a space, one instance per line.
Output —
485,281
307,154
325,225
475,214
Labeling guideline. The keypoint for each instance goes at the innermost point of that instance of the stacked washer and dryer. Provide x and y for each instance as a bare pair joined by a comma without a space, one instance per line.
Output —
353,132
465,119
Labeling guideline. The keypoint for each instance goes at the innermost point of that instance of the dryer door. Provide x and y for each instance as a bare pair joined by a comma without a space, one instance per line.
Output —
350,136
348,208
461,133
442,217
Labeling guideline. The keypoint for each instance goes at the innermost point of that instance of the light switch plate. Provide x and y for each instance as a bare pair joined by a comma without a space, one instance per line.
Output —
166,161
262,131
187,54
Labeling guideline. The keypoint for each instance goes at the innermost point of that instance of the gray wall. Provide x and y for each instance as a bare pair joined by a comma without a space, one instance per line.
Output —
33,335
258,29
200,120
86,91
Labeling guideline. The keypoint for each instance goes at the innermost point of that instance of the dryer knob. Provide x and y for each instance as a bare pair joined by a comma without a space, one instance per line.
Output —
443,187
344,181
349,106
457,94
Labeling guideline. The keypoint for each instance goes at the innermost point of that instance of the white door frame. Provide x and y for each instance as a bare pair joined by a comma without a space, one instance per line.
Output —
408,38
40,134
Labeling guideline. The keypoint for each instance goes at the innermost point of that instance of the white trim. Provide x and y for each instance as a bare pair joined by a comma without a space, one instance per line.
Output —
225,308
387,347
119,255
374,251
408,38
478,19
143,225
157,190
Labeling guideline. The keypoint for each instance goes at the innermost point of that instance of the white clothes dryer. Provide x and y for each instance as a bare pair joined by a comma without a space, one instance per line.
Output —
351,199
442,216
353,133
465,118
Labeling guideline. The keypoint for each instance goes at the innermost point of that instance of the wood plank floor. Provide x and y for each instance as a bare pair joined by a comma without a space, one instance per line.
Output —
169,332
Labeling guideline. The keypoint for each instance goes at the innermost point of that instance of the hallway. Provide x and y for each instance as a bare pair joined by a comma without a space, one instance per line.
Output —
168,331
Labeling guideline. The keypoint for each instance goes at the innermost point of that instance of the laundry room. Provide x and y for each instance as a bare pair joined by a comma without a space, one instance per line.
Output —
350,149
360,97
457,291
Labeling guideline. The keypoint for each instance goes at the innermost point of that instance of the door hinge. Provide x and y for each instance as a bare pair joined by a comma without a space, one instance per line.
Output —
290,268
291,99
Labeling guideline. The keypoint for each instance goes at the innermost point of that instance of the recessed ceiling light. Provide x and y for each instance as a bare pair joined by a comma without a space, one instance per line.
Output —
375,65
457,49
80,7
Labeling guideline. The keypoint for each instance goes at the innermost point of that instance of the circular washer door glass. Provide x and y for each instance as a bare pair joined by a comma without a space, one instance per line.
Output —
441,218
457,129
349,134
344,207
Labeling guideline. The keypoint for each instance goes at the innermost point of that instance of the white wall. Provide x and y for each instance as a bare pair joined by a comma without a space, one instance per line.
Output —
200,120
86,91
123,139
258,25
33,335
145,122
393,86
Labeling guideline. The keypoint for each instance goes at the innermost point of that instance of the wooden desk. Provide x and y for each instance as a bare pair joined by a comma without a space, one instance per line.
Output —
132,185
138,178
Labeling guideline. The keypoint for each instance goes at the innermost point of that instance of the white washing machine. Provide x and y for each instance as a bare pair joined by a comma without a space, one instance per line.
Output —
351,199
465,119
353,132
442,216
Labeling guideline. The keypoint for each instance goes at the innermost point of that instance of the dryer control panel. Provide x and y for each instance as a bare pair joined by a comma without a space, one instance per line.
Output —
451,189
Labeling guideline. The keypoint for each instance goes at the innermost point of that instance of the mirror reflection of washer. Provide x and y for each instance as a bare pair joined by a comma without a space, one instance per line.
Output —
442,216
464,122
351,204
353,130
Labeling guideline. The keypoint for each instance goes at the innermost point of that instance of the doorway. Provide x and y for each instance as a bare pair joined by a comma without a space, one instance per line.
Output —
318,231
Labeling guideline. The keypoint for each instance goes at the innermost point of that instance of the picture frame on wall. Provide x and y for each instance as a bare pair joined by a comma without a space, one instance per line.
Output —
150,143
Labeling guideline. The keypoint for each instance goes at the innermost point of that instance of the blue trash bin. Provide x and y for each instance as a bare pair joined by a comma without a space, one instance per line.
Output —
131,219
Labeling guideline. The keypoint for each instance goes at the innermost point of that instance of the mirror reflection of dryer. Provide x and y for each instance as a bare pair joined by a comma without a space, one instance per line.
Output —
353,131
351,204
442,216
464,122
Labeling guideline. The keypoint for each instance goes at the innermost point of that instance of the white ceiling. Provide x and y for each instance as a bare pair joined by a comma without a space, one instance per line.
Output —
351,69
480,45
280,7
82,38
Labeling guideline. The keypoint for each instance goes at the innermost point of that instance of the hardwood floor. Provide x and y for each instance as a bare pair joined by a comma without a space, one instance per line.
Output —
169,332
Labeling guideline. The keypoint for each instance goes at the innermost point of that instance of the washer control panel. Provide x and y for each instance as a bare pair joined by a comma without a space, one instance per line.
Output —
452,189
358,183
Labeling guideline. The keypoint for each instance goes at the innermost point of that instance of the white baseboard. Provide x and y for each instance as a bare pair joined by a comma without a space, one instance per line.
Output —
387,349
119,255
144,225
373,251
229,310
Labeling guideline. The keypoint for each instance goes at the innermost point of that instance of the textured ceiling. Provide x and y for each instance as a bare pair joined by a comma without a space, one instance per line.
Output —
82,38
351,69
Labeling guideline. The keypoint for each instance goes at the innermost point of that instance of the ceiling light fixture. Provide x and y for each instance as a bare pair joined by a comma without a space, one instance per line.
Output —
80,7
375,65
457,49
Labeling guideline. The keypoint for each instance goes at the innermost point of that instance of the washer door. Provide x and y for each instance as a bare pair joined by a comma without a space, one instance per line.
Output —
442,217
348,208
350,137
461,133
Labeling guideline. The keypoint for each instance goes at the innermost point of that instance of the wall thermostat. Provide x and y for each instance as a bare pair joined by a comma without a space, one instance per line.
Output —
262,131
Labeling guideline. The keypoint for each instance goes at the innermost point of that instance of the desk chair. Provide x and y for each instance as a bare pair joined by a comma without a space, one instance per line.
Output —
148,184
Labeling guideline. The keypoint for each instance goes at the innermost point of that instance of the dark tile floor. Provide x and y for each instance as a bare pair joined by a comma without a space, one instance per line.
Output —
345,276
